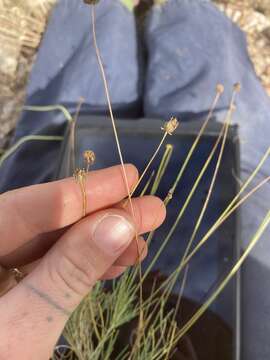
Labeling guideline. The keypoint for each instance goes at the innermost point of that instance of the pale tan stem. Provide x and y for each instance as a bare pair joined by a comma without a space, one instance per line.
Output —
212,298
107,93
194,145
150,163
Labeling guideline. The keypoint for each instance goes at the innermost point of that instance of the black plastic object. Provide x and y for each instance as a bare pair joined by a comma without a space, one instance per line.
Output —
139,139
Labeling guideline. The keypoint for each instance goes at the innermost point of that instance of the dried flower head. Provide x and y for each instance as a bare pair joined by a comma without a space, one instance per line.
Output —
89,157
79,175
237,87
220,88
171,126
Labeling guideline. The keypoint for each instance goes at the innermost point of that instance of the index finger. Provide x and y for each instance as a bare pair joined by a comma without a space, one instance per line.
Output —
28,212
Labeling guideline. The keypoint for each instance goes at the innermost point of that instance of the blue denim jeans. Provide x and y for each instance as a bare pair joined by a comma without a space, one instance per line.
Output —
190,47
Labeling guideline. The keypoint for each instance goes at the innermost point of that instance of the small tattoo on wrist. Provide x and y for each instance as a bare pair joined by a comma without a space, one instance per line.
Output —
46,298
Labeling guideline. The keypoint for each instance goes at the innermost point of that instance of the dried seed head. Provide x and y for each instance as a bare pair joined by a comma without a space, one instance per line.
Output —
91,2
79,175
171,126
220,88
89,157
237,87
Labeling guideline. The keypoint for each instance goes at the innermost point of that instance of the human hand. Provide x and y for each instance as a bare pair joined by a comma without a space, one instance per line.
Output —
41,225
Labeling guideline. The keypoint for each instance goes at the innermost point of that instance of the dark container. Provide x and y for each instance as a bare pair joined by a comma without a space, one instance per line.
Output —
139,139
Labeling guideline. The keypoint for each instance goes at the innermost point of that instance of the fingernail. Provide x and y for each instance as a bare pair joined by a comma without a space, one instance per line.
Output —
113,233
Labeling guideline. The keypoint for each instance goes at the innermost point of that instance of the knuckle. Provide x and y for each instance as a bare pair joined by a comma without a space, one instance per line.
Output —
134,171
132,174
75,272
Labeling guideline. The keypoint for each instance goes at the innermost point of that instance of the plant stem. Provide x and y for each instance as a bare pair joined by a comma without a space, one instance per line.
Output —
212,298
213,181
120,156
147,184
25,139
250,179
181,293
227,123
162,168
170,281
50,108
194,145
233,206
149,163
221,220
183,209
73,132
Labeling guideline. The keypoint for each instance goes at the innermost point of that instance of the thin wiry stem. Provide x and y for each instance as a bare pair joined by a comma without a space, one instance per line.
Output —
50,108
226,125
25,139
232,207
147,184
169,128
181,293
162,167
213,181
184,207
173,279
73,131
161,171
80,177
196,184
250,179
194,145
107,93
150,163
221,220
265,223
170,347
170,281
94,322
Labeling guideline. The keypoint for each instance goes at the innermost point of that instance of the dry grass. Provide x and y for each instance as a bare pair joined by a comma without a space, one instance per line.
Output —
262,6
22,23
253,17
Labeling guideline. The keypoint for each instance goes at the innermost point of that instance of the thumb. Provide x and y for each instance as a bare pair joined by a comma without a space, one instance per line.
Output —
59,283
